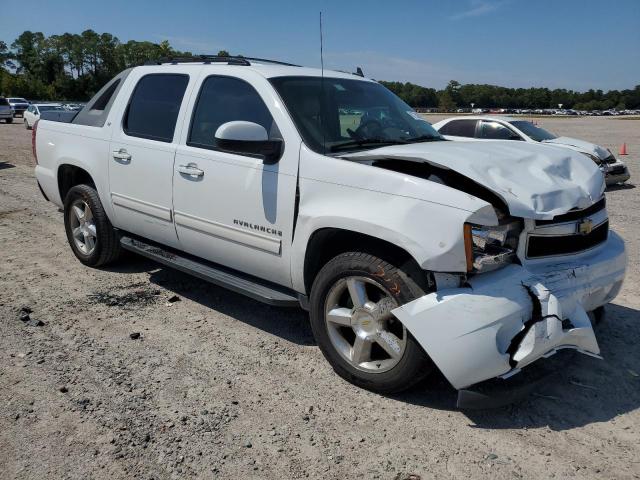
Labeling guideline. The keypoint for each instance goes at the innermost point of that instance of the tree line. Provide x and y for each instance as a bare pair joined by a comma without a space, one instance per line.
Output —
74,66
71,66
455,95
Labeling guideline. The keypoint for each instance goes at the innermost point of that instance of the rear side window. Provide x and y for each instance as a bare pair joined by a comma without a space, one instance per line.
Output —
496,131
153,108
103,100
4,101
227,99
460,128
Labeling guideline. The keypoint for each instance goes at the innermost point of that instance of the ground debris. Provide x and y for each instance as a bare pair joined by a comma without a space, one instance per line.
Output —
24,315
126,300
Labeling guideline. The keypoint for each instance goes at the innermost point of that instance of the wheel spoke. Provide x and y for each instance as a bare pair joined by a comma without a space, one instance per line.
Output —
77,233
92,229
79,213
357,292
390,343
384,307
87,213
90,242
361,350
340,316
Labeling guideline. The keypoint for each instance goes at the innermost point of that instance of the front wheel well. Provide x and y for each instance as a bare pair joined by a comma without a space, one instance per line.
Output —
328,243
69,176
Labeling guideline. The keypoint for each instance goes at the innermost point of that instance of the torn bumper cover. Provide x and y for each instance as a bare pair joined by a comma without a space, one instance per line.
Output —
509,318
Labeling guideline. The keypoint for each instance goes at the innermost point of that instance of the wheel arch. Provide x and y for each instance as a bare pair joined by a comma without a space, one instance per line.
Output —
69,176
326,243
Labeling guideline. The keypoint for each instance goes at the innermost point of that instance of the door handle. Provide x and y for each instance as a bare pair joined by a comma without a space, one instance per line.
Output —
191,169
121,155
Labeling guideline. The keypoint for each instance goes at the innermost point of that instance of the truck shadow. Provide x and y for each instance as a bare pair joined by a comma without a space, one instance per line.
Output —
620,186
585,390
4,165
290,324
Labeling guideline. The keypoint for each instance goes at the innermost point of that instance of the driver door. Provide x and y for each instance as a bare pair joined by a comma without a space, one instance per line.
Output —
229,207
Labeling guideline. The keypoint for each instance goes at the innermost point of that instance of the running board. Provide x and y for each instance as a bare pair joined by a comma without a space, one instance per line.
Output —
220,276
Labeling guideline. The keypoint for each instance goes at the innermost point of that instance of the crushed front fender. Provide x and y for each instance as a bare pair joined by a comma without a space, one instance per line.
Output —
507,319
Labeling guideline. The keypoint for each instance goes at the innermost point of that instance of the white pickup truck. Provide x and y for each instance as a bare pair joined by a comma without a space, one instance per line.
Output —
325,190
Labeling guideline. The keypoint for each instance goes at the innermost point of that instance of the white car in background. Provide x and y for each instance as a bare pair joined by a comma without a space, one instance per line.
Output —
481,128
32,113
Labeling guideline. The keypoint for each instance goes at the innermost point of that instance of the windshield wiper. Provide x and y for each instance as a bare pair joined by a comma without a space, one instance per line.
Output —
423,138
365,142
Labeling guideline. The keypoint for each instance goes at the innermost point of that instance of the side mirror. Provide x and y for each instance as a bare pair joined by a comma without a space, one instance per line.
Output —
248,138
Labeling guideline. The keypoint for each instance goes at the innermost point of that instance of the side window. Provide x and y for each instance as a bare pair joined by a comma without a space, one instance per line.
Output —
227,99
153,108
103,100
496,131
460,128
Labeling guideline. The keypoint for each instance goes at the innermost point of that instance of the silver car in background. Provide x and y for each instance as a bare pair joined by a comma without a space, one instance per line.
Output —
19,105
484,127
6,113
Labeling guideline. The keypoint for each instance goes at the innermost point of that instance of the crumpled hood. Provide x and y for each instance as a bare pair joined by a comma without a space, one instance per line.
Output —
581,146
535,181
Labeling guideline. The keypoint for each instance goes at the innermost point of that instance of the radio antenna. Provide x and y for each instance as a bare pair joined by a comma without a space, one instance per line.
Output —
322,99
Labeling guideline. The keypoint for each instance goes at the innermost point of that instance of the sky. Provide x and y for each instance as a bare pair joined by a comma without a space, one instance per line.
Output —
573,44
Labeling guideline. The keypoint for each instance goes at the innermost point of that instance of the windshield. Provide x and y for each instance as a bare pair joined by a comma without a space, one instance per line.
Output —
18,100
46,108
346,114
536,133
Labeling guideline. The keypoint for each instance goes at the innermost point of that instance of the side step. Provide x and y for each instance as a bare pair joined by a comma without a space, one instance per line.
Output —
217,275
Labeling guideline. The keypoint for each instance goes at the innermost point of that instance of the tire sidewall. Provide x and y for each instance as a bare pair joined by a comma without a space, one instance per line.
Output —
414,363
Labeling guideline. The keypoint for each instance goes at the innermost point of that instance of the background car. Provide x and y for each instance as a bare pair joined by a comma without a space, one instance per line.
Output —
33,112
481,128
19,105
6,113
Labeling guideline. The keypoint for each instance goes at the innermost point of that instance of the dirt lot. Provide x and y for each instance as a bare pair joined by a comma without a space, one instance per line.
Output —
219,386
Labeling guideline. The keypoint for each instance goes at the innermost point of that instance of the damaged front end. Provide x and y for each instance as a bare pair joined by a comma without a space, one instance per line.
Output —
504,320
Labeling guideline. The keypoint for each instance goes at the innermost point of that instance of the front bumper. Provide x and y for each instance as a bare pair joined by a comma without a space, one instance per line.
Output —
507,319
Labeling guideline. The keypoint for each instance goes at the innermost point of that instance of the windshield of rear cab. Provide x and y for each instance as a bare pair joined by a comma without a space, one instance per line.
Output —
46,108
536,133
333,111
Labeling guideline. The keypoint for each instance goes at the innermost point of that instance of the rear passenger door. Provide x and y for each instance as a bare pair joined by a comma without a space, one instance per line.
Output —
142,152
234,209
464,129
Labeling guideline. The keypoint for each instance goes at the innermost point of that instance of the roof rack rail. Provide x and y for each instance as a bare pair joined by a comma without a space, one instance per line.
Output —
208,59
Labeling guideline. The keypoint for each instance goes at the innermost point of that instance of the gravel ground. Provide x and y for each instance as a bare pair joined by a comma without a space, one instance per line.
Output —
219,386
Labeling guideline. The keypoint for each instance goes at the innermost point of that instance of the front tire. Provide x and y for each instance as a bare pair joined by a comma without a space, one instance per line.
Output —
26,124
91,236
9,120
351,300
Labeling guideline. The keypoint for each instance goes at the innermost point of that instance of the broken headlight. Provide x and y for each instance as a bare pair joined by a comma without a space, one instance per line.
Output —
491,247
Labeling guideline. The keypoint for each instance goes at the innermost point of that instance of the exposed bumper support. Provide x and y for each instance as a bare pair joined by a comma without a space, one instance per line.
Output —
507,319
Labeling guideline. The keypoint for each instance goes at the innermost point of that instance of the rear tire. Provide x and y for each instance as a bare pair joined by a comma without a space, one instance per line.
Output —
9,120
91,236
350,305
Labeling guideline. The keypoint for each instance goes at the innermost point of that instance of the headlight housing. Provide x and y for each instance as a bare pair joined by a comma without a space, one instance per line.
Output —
491,247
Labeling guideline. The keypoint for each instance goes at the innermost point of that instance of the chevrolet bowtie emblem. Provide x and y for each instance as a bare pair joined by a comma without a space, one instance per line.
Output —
585,227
